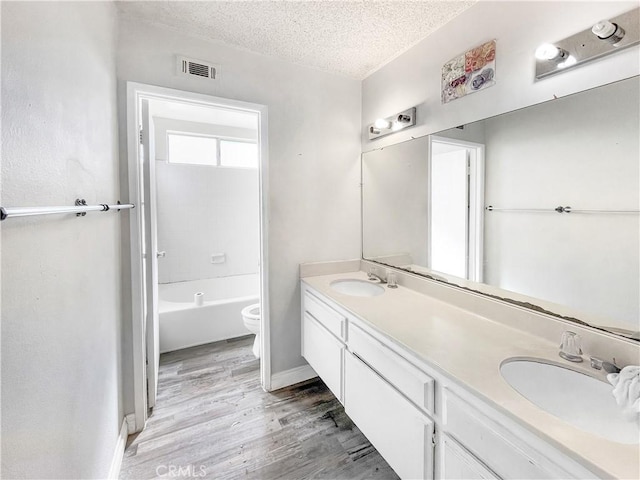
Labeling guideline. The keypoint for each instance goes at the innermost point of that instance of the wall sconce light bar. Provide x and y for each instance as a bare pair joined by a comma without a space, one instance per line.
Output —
392,124
603,38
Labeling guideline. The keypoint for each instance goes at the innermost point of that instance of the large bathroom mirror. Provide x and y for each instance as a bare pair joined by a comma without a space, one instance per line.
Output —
539,207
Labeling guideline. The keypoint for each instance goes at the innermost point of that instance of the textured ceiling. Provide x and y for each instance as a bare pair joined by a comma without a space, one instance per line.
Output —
352,38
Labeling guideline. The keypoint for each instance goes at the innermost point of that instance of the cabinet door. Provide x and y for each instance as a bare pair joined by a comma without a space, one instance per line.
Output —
397,429
459,464
324,353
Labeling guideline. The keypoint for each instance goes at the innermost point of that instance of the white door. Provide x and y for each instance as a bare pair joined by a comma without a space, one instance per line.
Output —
456,173
450,212
150,247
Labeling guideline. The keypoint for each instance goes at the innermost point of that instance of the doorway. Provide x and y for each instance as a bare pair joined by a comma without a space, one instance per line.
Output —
196,164
456,173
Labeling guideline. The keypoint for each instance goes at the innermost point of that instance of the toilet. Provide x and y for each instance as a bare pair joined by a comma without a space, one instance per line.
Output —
251,319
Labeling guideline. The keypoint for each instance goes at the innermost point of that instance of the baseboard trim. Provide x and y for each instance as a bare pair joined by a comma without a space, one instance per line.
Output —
118,454
292,376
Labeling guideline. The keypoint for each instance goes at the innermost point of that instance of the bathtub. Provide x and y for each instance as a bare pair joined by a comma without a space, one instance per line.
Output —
184,324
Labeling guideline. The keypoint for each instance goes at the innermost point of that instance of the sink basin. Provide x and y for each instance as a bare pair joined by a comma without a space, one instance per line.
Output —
580,400
357,288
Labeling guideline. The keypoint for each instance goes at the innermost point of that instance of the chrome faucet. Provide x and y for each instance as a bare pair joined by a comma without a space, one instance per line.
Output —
374,276
570,348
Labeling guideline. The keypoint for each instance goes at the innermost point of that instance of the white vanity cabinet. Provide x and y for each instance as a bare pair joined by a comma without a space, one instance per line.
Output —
323,335
421,421
385,396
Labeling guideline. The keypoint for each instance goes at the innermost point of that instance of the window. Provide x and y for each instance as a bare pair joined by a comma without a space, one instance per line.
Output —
192,149
238,154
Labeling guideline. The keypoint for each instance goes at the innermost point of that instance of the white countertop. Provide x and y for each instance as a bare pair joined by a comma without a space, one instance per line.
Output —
470,349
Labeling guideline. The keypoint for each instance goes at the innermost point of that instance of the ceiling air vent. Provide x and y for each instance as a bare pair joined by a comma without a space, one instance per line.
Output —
198,68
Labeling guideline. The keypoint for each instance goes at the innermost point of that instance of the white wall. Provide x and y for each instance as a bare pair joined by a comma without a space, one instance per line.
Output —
590,161
314,149
61,323
519,27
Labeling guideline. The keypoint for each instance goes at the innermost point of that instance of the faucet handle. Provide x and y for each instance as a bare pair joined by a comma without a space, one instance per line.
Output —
596,363
608,367
571,347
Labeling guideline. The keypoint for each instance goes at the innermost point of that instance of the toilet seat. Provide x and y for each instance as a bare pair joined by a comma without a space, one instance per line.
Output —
252,312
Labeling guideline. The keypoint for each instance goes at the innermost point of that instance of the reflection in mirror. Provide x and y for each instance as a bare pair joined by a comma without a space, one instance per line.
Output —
456,192
477,206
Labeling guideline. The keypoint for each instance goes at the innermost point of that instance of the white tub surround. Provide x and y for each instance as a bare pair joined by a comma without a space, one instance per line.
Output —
188,319
482,425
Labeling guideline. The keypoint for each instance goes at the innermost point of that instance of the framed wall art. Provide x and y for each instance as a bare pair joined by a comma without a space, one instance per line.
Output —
469,72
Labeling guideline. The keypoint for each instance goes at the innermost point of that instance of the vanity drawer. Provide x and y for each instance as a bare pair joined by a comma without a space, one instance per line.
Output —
494,445
327,316
412,382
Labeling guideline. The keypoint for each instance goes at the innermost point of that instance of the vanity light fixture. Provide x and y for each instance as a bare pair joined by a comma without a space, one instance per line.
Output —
603,38
392,124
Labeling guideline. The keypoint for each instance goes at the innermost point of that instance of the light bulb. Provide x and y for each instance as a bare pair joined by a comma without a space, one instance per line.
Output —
382,123
571,60
609,32
604,29
547,51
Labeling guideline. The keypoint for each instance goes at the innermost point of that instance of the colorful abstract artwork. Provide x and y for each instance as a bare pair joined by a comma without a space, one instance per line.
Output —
470,72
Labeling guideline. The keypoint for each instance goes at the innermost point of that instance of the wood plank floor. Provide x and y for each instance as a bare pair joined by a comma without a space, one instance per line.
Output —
213,420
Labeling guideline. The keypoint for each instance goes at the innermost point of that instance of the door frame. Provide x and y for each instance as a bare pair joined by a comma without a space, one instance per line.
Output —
150,261
475,219
135,93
